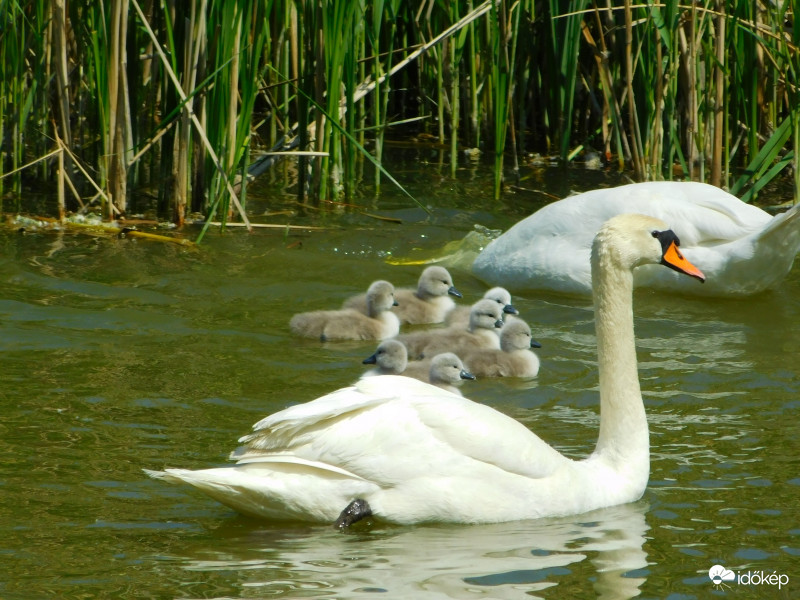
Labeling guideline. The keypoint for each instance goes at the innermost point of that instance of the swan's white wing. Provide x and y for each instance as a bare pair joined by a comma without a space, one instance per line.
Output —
699,213
391,429
279,428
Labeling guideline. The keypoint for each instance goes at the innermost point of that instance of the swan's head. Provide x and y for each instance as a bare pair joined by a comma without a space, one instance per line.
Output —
436,281
628,241
503,298
485,314
448,369
391,356
380,297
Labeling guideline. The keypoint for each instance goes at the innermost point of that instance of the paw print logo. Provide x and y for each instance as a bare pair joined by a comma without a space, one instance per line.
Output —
719,575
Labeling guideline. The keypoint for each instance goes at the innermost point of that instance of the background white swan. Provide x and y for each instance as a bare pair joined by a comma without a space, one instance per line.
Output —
741,248
408,452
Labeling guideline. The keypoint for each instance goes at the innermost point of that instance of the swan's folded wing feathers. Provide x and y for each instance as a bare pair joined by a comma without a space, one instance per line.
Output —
278,429
482,433
363,430
250,457
701,213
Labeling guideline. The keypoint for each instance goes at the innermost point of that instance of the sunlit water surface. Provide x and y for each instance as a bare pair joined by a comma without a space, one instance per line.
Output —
122,354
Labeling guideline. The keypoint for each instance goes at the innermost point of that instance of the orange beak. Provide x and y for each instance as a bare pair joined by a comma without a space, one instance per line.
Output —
674,259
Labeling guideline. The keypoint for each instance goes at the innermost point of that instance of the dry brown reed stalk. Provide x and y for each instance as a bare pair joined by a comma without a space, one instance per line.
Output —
200,130
118,109
719,99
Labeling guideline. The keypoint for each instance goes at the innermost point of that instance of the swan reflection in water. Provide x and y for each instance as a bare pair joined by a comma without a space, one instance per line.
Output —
600,552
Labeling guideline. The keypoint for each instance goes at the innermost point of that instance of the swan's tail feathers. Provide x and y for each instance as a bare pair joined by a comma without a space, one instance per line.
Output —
785,225
275,489
159,475
246,496
779,241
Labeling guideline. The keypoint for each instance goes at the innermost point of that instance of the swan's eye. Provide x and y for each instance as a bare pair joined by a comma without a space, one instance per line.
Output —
654,233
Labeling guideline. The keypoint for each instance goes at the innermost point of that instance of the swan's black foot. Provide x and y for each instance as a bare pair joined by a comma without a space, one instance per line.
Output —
358,509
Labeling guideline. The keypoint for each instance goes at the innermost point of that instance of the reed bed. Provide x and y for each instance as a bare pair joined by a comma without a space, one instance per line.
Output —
187,102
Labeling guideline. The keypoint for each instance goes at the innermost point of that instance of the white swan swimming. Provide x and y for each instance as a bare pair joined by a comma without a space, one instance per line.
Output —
741,248
408,452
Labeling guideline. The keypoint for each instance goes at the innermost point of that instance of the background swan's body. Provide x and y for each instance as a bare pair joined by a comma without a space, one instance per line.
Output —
417,453
741,248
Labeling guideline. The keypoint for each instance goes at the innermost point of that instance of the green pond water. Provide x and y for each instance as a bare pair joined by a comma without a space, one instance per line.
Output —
119,354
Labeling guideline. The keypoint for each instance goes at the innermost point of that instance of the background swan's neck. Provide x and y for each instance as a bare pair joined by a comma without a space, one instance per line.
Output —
624,438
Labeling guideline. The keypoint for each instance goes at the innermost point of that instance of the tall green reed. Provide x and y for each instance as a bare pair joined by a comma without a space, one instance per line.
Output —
181,96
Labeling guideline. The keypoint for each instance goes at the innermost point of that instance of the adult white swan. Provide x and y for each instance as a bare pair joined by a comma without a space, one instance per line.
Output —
409,452
741,248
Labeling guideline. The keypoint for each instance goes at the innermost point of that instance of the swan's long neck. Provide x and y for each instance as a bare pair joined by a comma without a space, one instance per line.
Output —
624,438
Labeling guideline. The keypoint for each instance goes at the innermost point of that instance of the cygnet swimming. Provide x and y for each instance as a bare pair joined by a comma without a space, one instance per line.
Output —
514,359
485,320
390,358
460,314
428,303
445,370
378,323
